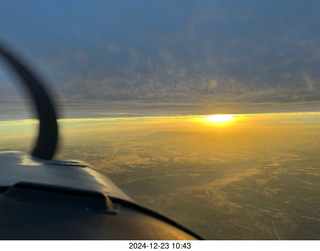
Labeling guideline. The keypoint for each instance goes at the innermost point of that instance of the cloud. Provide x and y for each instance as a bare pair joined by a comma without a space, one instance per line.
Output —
198,53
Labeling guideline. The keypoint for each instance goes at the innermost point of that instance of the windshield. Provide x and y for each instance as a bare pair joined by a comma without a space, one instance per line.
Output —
205,111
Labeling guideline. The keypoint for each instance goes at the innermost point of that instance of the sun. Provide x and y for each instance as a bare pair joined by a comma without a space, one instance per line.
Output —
219,119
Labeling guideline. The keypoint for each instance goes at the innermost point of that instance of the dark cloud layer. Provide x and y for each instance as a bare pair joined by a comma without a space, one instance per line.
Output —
169,51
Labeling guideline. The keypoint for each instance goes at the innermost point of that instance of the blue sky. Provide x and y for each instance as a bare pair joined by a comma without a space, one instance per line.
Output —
254,54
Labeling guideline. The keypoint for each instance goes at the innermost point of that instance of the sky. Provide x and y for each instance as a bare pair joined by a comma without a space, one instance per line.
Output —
179,57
